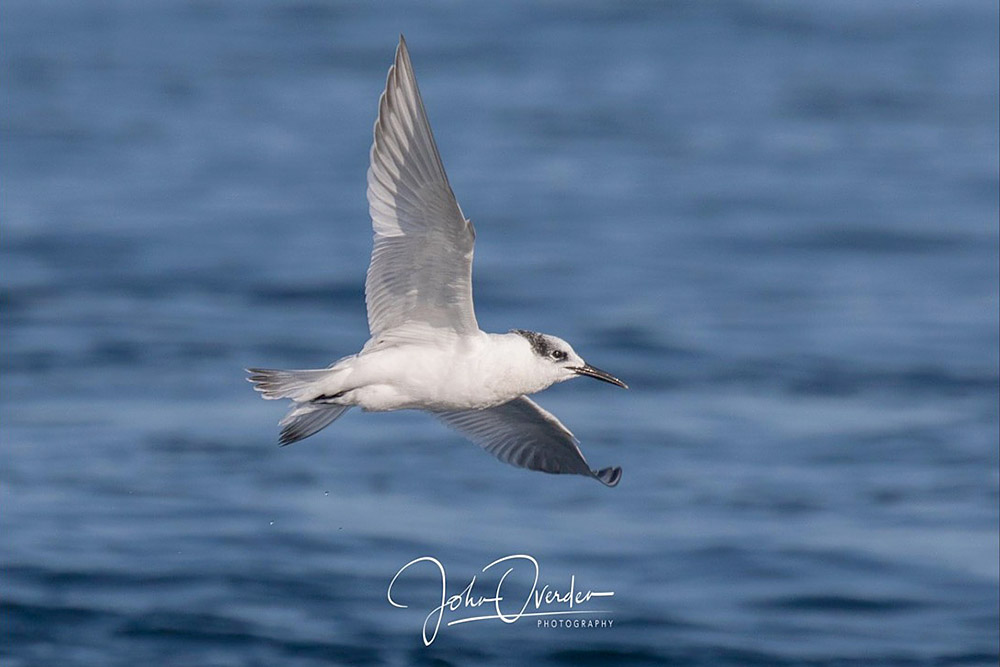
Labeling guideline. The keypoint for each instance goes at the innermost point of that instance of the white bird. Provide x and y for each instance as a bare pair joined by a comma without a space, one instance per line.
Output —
426,351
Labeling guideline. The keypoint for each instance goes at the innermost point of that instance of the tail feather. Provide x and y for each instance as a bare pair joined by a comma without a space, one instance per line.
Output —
310,412
308,418
274,384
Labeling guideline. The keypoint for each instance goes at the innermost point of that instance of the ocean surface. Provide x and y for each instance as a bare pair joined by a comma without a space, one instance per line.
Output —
777,221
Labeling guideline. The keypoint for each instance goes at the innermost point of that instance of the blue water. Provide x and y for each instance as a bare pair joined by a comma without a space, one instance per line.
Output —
776,221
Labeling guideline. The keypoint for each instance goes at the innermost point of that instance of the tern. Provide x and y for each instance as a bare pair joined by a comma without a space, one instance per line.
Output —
426,350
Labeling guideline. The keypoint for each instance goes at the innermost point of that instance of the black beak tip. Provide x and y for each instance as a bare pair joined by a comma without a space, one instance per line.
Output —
598,374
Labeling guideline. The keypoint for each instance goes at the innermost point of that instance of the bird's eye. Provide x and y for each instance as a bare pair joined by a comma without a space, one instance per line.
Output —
558,355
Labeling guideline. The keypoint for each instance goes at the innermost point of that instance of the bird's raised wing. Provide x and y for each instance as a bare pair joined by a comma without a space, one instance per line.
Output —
421,267
521,433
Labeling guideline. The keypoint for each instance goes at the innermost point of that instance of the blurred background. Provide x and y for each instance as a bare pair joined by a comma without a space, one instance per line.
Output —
776,220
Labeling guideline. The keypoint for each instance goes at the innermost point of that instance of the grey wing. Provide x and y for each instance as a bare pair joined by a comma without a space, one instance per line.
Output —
521,433
421,266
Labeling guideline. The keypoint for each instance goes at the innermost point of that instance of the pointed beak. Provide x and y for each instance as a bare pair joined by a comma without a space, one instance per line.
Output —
597,373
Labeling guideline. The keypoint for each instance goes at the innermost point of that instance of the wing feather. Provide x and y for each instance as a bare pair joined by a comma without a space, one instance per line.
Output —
521,433
421,264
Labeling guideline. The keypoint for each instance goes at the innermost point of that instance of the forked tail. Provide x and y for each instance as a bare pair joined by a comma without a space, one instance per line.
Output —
308,415
296,385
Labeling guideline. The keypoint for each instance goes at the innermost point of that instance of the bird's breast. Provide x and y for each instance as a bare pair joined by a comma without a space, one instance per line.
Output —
416,377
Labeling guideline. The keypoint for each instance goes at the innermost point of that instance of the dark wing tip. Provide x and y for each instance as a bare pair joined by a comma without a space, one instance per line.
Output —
402,51
289,434
608,476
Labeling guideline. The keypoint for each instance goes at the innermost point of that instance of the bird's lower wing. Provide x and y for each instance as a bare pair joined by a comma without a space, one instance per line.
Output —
521,433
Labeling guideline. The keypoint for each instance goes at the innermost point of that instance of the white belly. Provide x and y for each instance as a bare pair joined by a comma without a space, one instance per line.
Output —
417,377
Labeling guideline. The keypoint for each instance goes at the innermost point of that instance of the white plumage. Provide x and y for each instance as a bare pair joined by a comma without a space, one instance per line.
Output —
426,350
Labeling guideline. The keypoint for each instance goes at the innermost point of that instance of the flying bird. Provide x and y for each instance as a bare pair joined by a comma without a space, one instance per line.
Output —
426,350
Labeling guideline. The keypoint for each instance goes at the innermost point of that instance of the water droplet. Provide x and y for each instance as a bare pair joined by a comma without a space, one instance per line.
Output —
271,523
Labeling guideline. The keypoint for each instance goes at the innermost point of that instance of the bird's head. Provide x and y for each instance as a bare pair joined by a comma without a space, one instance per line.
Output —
556,360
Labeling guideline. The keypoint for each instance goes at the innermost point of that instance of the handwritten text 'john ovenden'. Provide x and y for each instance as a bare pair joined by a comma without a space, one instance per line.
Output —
544,601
